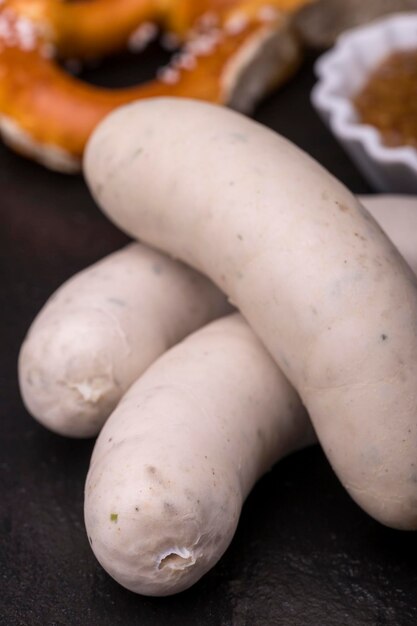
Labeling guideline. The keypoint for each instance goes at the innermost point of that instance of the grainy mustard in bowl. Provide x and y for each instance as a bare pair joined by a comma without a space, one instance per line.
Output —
367,94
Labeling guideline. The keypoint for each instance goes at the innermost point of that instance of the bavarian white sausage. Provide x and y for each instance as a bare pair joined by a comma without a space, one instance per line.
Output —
102,329
175,461
308,267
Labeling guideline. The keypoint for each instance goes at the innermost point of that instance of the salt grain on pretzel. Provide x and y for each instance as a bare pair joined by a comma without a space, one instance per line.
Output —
208,20
236,24
168,75
142,37
268,13
187,61
204,45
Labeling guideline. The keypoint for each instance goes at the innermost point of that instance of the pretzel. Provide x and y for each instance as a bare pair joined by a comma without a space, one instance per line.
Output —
232,53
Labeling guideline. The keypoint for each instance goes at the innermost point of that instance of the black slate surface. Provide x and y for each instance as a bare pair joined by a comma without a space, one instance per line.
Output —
303,555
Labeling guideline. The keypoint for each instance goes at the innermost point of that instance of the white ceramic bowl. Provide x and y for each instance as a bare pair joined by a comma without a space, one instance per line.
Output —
341,73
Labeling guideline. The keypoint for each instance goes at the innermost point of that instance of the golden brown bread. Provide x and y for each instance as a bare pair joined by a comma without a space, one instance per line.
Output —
234,52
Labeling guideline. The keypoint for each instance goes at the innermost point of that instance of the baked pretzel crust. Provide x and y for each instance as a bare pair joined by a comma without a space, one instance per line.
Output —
232,53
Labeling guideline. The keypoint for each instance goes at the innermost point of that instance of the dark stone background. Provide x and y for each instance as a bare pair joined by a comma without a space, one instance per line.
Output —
303,555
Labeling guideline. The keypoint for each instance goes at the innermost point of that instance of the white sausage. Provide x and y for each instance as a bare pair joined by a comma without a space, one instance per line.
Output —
175,461
81,406
216,384
310,270
102,329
